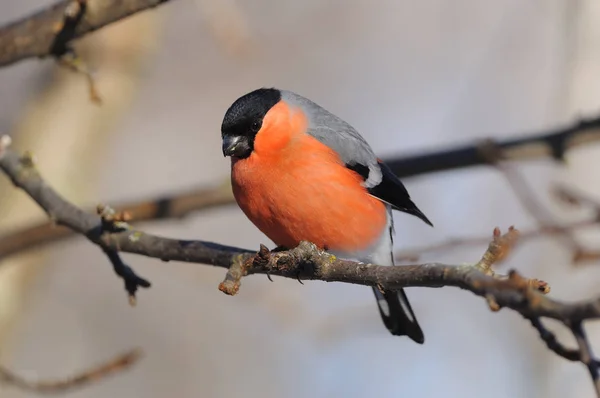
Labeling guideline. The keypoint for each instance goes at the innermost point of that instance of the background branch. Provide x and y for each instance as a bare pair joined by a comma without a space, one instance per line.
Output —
49,31
554,144
177,205
413,254
117,364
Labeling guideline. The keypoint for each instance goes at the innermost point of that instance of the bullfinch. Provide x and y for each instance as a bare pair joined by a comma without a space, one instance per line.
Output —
299,173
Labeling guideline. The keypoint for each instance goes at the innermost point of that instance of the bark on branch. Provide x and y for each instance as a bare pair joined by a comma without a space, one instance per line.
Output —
50,31
110,231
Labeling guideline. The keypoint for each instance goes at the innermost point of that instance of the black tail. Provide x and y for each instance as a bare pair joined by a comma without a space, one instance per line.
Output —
397,314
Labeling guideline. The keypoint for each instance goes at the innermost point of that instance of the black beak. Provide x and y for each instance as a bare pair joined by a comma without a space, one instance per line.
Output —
229,144
236,146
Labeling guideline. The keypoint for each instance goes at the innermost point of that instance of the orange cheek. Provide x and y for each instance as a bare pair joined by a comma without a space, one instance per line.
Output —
280,126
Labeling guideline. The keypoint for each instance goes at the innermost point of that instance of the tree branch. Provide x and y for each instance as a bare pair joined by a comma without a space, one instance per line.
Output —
175,206
554,144
112,234
586,355
49,32
202,198
22,171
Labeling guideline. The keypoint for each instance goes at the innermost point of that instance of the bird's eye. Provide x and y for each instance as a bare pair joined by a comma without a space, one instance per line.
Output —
255,126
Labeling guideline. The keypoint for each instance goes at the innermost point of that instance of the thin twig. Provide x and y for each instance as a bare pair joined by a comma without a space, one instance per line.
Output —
553,344
578,198
492,152
118,364
587,357
73,62
413,254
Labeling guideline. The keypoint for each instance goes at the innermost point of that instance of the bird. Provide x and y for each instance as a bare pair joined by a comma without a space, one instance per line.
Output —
300,173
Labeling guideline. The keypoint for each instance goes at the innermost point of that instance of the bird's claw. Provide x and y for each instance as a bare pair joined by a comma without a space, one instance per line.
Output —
298,278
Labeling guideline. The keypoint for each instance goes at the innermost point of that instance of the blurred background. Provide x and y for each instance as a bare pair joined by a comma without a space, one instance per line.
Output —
411,76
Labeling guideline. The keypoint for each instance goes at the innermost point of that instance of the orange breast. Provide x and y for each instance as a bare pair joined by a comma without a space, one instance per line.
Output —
302,191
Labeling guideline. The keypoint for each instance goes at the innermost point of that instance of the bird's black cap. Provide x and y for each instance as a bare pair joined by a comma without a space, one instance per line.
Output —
244,117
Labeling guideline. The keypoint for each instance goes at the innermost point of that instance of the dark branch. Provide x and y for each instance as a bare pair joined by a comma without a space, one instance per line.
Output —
50,31
553,344
587,357
554,144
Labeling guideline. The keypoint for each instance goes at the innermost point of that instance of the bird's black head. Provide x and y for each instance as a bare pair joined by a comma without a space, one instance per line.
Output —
243,121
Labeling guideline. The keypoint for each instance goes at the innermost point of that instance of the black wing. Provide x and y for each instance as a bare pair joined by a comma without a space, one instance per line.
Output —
390,190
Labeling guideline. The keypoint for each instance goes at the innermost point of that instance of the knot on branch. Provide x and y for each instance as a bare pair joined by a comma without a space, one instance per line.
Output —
74,9
262,258
113,221
302,261
299,261
490,151
527,290
65,29
498,249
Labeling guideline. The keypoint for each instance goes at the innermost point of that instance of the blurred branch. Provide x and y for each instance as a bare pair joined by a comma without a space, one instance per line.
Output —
50,31
554,144
580,253
585,353
118,364
183,203
415,253
527,197
176,206
577,198
547,225
111,232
